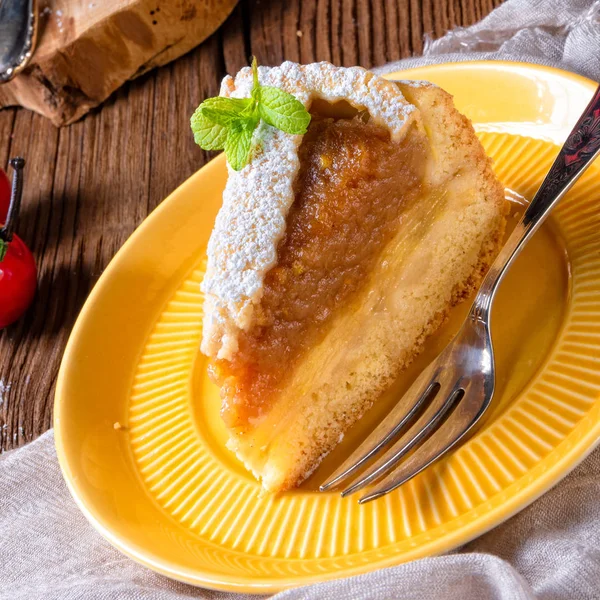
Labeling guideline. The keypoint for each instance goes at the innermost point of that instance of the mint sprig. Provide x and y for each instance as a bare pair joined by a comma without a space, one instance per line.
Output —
229,123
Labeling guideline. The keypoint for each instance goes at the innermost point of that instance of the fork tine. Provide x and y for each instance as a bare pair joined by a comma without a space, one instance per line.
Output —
432,416
388,429
446,437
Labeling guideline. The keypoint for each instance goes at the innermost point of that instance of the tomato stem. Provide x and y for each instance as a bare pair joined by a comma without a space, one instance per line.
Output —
6,233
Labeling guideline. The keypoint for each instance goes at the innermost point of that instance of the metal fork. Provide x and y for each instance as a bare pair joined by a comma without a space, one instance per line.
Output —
454,391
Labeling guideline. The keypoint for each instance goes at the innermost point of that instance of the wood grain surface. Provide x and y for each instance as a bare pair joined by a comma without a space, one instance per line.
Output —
89,185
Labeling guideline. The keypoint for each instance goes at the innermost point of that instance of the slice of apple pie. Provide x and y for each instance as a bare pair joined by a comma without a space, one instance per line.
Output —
336,254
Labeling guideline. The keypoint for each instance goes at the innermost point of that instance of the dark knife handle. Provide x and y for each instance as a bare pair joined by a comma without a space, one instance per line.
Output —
18,31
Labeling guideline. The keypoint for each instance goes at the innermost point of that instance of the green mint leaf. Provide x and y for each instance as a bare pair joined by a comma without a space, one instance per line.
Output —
239,145
3,249
207,134
255,83
226,111
282,110
229,123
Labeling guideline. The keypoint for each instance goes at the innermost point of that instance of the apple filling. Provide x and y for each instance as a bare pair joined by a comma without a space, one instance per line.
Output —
352,192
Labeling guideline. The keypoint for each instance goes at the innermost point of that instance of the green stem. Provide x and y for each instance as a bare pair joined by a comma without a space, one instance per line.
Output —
6,233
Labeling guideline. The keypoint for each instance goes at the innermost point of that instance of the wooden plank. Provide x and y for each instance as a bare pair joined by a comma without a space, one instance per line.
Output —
89,185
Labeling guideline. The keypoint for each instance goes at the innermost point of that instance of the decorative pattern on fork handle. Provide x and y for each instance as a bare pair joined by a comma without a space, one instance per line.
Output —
585,141
581,145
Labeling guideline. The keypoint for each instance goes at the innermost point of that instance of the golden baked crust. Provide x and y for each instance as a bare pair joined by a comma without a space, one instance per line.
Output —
424,275
296,444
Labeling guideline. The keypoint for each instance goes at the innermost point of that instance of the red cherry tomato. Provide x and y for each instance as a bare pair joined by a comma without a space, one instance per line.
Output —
4,196
18,281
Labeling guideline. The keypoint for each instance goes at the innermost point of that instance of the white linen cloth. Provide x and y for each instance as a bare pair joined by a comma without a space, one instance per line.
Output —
550,551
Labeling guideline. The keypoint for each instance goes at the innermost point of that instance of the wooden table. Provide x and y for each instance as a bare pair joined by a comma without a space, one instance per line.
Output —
88,186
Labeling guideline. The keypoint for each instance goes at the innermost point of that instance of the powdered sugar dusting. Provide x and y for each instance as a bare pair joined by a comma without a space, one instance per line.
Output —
256,201
416,83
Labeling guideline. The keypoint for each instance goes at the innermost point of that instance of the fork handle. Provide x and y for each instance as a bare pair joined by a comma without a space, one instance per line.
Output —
578,152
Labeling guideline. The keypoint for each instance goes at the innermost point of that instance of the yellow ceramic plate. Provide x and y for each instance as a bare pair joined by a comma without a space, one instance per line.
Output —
140,441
